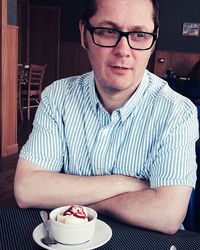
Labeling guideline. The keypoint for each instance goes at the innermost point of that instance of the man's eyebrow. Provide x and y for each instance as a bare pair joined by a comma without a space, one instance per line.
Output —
116,26
107,22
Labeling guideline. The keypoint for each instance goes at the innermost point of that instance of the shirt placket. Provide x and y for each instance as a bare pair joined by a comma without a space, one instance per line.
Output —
102,160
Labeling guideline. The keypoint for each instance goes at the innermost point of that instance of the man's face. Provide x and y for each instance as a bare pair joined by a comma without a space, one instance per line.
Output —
119,69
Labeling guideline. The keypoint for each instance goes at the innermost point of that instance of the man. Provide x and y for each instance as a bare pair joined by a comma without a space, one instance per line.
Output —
125,140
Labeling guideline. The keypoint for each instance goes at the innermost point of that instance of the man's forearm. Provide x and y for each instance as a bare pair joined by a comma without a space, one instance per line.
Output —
36,187
55,189
160,210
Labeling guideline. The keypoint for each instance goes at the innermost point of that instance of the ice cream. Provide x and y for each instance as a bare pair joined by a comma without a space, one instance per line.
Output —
73,215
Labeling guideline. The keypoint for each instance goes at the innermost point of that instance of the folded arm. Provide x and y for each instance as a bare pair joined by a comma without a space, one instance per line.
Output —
161,209
125,198
37,187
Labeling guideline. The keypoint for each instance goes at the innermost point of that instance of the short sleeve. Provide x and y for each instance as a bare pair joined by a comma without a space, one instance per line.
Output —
45,144
175,159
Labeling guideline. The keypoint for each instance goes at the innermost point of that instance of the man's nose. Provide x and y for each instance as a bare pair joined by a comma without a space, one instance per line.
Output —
122,48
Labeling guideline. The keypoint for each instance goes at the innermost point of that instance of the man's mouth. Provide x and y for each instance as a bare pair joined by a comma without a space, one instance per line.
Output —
120,67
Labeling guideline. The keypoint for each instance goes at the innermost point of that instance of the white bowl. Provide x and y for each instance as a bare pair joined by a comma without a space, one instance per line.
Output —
72,233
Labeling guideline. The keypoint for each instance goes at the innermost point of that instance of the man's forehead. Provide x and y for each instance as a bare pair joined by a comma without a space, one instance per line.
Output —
124,16
129,5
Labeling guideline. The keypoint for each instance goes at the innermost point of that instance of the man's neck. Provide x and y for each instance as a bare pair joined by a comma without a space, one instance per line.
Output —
112,101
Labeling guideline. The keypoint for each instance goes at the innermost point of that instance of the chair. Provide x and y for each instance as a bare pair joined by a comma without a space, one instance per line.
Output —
32,92
21,81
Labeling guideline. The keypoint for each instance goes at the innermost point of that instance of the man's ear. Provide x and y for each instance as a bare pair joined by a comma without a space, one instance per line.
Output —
155,43
153,49
83,34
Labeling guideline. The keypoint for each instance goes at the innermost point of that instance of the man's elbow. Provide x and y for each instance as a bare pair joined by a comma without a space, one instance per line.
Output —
22,204
21,200
170,229
21,196
171,225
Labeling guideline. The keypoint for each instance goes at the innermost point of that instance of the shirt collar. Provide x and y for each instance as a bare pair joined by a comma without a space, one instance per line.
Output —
129,106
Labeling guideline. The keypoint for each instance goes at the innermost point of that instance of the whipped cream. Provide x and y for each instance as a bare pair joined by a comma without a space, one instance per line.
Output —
75,214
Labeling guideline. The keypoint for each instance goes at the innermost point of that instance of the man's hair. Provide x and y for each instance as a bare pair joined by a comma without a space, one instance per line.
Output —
91,9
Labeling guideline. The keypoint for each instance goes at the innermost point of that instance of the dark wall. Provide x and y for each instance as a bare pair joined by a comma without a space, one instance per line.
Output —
172,16
70,13
12,12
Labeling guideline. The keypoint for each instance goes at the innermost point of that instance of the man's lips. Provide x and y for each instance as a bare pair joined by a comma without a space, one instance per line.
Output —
120,67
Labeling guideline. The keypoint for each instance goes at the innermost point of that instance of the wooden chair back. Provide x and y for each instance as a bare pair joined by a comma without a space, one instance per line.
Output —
36,75
35,81
22,80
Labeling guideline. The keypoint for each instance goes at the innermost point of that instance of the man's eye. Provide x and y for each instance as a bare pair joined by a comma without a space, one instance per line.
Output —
106,32
112,32
139,36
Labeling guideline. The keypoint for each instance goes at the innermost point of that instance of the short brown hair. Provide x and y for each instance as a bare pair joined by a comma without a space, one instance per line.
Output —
91,9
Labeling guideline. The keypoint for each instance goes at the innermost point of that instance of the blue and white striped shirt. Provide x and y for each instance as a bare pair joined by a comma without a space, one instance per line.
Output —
151,137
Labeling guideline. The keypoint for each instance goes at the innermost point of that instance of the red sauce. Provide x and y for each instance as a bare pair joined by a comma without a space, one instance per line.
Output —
76,211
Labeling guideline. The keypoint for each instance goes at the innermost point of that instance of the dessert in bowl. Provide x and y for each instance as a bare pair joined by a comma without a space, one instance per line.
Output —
73,224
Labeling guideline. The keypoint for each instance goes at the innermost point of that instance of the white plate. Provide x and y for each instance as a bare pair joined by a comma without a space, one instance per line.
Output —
102,234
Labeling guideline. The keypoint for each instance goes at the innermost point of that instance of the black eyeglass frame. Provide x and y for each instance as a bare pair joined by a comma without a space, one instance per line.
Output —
92,29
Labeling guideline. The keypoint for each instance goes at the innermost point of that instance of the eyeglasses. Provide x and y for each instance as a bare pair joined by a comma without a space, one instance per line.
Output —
106,37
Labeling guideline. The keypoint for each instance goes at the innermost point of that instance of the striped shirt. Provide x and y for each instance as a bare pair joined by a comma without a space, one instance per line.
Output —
151,137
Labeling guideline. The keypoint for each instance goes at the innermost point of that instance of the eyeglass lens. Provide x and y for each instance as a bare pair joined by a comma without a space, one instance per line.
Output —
109,37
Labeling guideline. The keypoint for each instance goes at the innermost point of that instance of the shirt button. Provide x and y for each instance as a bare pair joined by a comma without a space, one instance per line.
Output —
105,132
98,171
